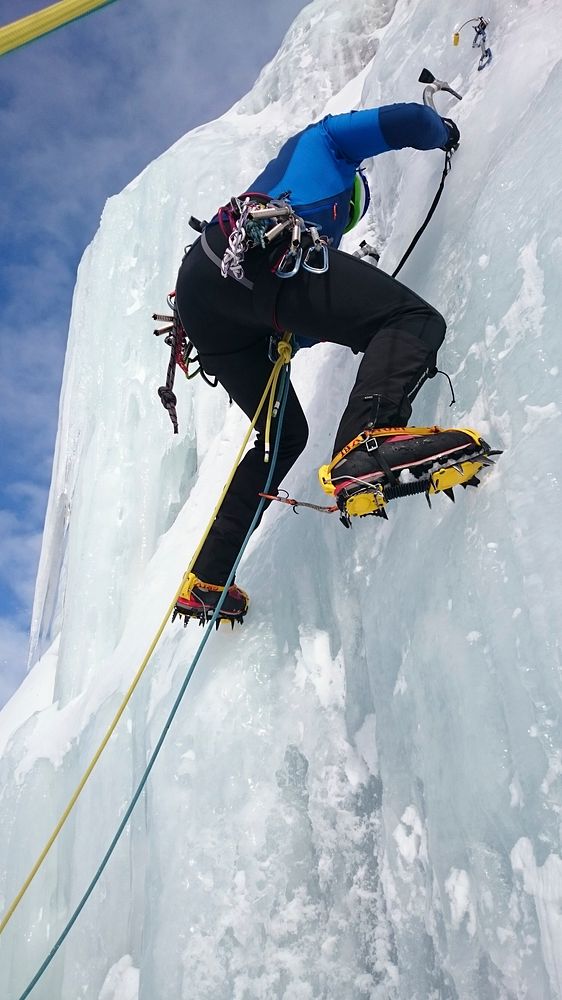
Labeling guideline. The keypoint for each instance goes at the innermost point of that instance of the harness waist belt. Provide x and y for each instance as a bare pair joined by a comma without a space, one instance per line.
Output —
215,259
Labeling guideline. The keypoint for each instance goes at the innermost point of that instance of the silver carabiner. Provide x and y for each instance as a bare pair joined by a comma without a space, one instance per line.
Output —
291,260
290,255
318,247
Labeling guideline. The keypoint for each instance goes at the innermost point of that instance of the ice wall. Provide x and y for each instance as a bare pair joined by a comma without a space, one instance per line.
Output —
361,794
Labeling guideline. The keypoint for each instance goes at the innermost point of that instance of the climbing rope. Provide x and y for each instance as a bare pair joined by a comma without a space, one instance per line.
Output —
284,351
27,29
169,720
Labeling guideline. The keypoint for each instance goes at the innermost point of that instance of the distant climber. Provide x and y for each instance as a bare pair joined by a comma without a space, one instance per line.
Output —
320,294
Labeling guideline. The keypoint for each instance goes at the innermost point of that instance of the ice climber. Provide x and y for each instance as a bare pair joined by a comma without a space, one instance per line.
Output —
316,173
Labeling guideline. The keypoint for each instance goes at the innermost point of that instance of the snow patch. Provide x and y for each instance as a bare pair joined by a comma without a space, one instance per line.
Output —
34,694
537,415
316,666
524,317
544,884
458,889
122,981
410,836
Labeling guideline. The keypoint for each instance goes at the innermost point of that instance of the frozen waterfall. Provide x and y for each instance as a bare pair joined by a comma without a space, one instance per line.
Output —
361,796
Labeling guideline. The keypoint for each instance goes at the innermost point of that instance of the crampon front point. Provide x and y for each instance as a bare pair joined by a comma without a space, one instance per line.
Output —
199,600
387,464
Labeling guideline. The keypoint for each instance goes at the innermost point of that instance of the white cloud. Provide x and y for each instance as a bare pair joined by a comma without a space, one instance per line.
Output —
33,497
19,557
14,645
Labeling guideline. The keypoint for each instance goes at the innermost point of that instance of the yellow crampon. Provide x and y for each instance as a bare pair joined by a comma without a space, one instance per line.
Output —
460,474
372,498
371,501
188,608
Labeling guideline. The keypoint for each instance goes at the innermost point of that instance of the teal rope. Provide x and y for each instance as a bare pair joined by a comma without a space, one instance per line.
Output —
176,705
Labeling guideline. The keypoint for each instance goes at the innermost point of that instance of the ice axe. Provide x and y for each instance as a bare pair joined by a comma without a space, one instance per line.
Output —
433,85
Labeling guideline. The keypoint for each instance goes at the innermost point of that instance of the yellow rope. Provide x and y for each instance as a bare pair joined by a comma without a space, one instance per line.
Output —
284,349
27,29
284,358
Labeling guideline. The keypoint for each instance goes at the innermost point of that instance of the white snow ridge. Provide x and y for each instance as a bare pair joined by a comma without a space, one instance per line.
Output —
360,796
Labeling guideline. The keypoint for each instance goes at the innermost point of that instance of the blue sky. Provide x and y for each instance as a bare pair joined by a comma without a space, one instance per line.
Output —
82,111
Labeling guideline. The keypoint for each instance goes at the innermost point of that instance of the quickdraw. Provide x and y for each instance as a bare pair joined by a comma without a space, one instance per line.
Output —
181,354
298,503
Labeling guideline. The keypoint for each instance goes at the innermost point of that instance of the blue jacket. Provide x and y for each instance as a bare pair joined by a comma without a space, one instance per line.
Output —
316,167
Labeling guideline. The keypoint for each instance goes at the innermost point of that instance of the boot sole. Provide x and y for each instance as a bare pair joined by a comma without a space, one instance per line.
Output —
204,615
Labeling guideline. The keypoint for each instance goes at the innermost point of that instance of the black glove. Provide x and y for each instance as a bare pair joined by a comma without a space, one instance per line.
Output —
453,135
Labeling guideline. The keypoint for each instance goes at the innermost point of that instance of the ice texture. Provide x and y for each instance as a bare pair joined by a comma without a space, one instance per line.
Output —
361,794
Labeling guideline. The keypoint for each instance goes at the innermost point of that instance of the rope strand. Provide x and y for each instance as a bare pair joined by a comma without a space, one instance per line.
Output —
284,354
176,705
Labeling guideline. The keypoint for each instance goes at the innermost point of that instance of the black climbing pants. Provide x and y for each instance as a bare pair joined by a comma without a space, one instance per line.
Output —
353,304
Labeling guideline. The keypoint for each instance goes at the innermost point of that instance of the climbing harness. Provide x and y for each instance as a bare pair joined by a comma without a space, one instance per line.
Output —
181,354
479,40
42,22
253,220
217,261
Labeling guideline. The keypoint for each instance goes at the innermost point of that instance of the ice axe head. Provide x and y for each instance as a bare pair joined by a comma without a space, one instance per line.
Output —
432,85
